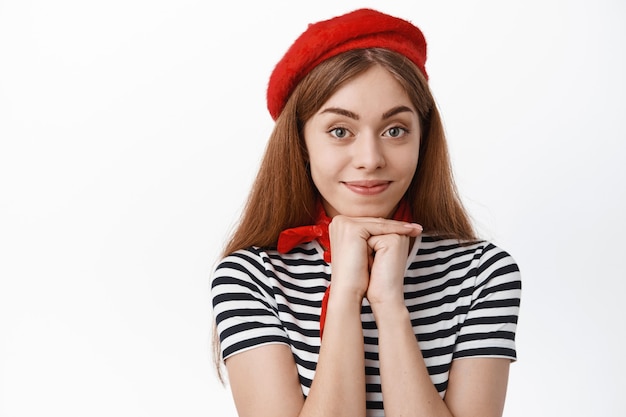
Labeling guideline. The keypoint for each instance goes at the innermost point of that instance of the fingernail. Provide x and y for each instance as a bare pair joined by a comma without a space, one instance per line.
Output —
414,226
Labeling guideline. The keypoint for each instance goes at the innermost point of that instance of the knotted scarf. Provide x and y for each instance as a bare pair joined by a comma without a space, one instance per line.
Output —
290,238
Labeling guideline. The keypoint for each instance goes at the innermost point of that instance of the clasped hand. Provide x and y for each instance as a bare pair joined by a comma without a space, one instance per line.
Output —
369,256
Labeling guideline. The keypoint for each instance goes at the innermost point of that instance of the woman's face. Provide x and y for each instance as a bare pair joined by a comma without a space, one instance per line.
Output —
363,146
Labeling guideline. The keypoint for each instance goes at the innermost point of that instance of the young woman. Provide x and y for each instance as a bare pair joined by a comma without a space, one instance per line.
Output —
354,284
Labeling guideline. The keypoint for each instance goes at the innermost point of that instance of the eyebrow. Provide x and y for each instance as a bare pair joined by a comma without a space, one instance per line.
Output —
341,112
352,115
396,110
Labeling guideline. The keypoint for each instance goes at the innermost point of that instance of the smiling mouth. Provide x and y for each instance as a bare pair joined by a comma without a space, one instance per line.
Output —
367,187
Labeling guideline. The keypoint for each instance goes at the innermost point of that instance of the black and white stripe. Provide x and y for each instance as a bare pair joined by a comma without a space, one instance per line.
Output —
463,301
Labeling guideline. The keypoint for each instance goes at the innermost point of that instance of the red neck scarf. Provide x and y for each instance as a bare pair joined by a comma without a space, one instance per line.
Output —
290,238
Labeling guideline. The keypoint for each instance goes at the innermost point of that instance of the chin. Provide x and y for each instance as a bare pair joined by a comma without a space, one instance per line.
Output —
364,211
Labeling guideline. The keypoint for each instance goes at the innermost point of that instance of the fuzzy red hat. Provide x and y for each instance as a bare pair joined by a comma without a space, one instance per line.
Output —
363,28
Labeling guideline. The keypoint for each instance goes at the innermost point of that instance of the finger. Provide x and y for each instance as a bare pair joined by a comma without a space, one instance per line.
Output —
385,242
415,229
387,227
374,226
370,261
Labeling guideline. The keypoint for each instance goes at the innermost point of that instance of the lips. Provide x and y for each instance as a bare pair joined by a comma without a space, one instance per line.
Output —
368,187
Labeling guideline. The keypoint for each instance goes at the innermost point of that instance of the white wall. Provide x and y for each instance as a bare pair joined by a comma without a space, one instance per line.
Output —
130,131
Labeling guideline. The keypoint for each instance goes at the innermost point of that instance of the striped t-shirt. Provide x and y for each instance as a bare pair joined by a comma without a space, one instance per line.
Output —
463,301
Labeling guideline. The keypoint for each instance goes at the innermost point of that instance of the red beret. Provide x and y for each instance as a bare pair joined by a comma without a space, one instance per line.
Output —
363,28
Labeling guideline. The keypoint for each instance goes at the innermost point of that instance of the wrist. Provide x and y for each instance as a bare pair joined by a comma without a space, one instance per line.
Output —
390,311
345,295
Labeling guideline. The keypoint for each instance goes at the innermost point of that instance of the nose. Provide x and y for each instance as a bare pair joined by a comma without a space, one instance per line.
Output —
368,153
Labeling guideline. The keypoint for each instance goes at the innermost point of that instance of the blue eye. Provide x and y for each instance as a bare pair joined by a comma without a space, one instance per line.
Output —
339,132
396,132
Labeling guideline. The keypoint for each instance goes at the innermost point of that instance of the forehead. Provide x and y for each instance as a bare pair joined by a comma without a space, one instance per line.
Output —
375,89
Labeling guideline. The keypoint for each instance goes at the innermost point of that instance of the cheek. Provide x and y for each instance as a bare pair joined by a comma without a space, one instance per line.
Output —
321,171
406,163
325,160
327,170
316,167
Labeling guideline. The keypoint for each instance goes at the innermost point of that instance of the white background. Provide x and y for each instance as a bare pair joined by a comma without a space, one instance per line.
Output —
131,130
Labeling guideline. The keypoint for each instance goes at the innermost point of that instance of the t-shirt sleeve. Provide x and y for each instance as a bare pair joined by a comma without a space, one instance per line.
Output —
491,322
244,307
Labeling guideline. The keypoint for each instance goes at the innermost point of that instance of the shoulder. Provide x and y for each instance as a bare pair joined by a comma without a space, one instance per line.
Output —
440,248
241,274
252,257
247,267
480,259
265,265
